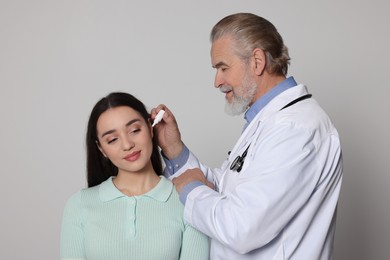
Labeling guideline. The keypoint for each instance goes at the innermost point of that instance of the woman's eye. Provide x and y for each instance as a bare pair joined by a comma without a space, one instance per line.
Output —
134,131
110,141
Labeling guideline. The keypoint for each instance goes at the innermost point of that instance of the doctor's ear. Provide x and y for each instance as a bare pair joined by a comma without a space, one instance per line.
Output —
259,61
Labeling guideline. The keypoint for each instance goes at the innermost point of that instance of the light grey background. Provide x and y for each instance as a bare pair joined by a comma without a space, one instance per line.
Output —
57,58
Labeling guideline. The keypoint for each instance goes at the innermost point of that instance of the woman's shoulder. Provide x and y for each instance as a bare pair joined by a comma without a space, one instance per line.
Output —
85,196
170,194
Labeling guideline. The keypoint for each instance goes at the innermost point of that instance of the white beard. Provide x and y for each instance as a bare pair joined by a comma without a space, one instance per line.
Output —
242,96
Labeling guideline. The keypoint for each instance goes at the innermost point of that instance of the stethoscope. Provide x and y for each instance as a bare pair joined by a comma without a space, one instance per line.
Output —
238,163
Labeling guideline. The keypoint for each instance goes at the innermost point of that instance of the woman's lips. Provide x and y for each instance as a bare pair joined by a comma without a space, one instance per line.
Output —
133,156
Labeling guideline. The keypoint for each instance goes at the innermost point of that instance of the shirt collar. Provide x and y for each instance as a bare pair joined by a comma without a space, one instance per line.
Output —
162,191
264,100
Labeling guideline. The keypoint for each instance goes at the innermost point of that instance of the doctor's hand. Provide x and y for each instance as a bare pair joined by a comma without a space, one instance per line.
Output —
189,176
167,131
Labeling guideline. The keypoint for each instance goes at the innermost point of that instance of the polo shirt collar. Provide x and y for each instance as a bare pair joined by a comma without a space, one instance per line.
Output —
162,191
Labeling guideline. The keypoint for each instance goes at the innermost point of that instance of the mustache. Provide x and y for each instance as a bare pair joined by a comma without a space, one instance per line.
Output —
225,89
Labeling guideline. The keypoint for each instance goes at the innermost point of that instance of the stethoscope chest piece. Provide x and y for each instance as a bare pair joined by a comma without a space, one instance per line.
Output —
238,163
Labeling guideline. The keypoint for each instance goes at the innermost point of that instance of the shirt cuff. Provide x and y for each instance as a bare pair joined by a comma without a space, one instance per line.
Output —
183,194
175,164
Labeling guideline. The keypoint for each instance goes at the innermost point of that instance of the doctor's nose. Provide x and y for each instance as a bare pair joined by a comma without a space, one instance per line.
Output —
218,81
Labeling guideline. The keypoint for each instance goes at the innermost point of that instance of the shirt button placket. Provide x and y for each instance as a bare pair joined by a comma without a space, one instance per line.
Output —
131,215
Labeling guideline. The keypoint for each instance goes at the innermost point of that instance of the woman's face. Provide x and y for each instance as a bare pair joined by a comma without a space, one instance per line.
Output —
125,139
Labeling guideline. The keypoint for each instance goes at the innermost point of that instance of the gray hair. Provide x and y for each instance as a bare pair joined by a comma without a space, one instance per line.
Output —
249,32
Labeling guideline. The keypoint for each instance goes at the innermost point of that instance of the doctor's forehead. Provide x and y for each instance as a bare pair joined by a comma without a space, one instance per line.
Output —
222,53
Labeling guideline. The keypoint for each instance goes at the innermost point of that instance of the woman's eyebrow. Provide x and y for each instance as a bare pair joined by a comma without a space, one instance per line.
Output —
133,121
113,130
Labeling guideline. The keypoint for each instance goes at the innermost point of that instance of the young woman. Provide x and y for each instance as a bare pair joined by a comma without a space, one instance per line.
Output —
129,210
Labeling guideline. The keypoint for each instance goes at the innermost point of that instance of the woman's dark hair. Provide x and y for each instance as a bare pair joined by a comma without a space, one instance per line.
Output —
100,168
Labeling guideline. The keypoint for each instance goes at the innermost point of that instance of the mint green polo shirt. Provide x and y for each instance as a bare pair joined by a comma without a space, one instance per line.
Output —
103,223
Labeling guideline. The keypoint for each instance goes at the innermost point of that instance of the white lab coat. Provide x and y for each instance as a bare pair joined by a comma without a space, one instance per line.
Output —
282,205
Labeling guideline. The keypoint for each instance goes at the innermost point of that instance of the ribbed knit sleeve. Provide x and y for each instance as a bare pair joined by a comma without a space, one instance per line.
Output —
72,237
195,245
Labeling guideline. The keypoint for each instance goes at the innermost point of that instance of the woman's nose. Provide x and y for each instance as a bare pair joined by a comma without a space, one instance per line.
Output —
127,144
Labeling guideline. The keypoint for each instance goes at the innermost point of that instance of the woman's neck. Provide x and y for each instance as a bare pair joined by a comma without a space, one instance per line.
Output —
134,184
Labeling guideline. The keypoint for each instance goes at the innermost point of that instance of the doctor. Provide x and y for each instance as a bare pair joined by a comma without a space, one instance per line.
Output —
275,196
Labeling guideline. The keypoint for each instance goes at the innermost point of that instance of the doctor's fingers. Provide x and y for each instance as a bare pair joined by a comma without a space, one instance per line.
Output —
168,115
209,184
195,174
190,176
179,183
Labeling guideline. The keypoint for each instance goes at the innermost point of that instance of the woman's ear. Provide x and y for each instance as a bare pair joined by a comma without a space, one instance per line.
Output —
260,61
151,131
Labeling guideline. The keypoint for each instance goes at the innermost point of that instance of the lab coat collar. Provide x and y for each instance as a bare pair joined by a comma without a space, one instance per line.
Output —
273,106
283,99
271,94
